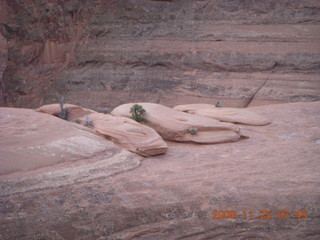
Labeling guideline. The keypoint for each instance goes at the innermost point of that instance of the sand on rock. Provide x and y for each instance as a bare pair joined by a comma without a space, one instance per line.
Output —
182,127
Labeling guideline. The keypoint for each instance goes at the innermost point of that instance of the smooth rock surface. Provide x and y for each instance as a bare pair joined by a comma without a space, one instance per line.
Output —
233,115
129,134
182,127
56,151
172,196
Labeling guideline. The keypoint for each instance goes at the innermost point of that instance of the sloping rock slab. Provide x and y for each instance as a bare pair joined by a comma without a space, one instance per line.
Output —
45,152
234,115
182,127
129,134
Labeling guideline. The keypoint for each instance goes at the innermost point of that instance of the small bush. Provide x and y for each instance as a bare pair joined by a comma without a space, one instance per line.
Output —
137,112
193,131
64,113
88,122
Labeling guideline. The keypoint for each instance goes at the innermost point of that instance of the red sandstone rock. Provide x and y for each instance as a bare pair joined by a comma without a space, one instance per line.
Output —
234,115
248,53
31,140
129,134
182,127
169,196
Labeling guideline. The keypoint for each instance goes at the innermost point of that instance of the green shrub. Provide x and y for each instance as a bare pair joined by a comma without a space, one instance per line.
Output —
137,112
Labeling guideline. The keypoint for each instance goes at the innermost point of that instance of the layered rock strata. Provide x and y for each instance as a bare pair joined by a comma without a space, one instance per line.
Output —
237,52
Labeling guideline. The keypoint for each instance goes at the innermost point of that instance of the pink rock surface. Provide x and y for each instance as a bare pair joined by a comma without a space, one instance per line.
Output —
234,115
173,196
182,127
31,140
129,134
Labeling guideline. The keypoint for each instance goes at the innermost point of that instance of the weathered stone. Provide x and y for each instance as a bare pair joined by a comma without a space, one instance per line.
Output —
183,127
129,134
234,115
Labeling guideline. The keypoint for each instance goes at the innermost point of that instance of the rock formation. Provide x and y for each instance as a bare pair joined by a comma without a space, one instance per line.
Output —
127,133
32,141
60,180
182,127
105,193
169,52
233,115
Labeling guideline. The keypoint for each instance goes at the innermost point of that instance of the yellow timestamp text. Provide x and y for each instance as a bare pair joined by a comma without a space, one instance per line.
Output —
263,214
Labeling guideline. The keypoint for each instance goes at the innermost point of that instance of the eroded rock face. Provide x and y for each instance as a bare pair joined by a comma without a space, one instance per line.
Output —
173,196
113,52
182,127
234,115
129,134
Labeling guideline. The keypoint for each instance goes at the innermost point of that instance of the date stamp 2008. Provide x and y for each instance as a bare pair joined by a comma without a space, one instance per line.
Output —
263,214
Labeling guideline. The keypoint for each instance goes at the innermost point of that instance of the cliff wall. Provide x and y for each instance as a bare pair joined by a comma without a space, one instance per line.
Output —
100,53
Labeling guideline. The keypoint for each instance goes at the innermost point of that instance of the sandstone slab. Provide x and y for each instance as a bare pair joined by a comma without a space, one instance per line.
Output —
234,115
129,134
55,151
183,127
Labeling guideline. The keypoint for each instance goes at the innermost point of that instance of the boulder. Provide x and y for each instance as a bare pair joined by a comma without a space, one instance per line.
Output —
129,134
178,126
234,115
